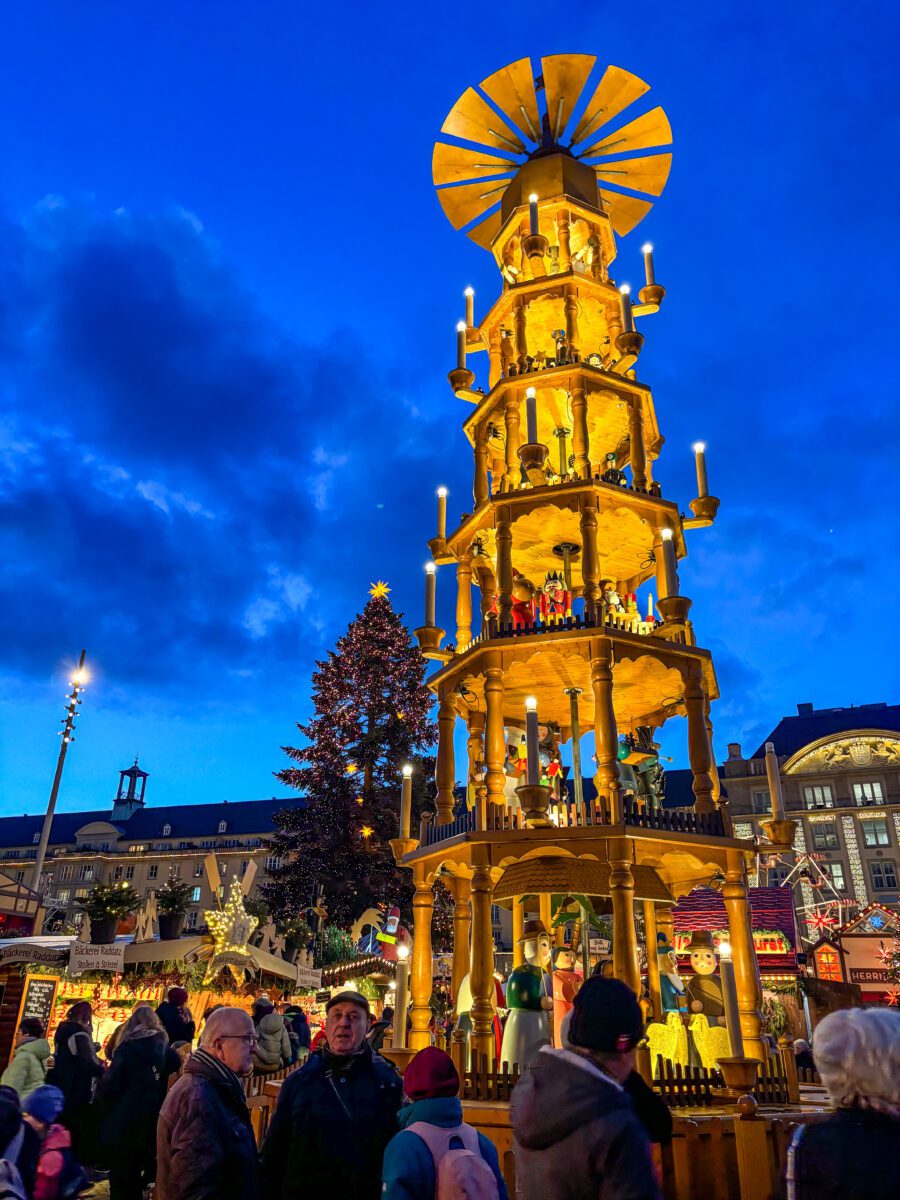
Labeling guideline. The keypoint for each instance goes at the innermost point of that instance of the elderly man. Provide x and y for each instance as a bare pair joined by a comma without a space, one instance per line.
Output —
334,1116
205,1147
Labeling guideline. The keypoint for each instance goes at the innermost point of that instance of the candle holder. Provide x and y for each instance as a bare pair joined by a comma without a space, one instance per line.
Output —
439,551
674,608
533,456
402,846
536,245
461,378
652,293
429,638
779,832
739,1074
535,801
629,344
704,509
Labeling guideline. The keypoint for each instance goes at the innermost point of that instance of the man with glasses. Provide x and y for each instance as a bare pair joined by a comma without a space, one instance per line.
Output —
334,1116
205,1147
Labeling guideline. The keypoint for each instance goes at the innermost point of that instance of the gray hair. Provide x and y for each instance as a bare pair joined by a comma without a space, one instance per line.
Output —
221,1022
857,1053
142,1023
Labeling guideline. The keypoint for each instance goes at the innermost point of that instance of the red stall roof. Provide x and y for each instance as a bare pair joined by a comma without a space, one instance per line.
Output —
772,918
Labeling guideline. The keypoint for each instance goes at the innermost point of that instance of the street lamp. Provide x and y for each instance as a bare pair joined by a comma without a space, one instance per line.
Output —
77,682
402,997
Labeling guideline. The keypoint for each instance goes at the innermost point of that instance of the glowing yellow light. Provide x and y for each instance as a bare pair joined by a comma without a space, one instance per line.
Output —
407,770
442,492
360,799
80,676
698,447
379,589
367,831
401,716
352,768
402,952
231,928
666,535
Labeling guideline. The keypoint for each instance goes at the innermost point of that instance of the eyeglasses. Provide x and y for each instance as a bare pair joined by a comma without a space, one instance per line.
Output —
250,1038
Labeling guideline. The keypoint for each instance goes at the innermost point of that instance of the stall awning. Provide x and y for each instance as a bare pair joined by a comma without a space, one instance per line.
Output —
580,876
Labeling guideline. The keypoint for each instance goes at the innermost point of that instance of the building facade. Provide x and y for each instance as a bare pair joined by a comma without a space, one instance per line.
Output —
840,775
143,846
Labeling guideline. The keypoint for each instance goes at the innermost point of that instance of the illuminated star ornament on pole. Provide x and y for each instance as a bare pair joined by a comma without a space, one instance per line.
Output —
379,590
231,929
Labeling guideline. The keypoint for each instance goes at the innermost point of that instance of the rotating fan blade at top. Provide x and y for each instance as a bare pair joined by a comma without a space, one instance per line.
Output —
473,119
615,91
512,90
564,78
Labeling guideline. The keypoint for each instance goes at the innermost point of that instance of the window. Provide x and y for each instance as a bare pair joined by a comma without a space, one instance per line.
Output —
87,871
117,873
824,835
818,795
129,872
138,848
273,863
192,919
760,802
36,838
198,870
223,868
495,914
64,872
245,863
153,870
884,876
835,872
875,832
223,827
167,829
868,793
184,845
20,875
175,871
63,895
195,896
82,893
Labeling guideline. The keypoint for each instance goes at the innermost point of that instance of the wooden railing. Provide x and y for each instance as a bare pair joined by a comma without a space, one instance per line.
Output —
254,1085
809,1076
684,1086
485,1079
675,820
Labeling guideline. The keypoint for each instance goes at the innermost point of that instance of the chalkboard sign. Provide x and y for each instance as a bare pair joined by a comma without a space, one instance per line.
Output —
38,999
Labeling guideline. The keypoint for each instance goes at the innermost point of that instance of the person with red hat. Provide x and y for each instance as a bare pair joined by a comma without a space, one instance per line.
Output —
434,1143
578,1136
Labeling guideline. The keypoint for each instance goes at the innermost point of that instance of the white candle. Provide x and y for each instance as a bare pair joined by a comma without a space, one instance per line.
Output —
442,512
650,607
647,251
670,565
406,801
774,779
699,449
461,346
470,306
627,315
730,999
532,212
531,741
430,594
531,416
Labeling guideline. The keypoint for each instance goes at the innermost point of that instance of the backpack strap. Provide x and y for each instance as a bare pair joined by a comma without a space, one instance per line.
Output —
790,1173
439,1140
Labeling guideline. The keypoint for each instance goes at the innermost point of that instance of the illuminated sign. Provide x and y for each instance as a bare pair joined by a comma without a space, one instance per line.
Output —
828,964
765,941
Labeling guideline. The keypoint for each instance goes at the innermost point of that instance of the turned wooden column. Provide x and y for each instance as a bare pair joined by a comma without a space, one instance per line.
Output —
462,921
580,437
511,419
652,960
480,483
698,740
494,738
605,736
495,368
521,328
518,931
464,601
563,238
475,749
590,562
571,309
421,981
488,587
481,974
445,766
504,562
746,968
621,890
637,449
665,922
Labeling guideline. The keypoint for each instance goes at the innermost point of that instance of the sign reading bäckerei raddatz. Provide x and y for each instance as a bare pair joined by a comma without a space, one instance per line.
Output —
84,956
24,951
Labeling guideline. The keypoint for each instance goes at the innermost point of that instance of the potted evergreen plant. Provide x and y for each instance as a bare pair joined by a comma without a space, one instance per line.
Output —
106,905
172,901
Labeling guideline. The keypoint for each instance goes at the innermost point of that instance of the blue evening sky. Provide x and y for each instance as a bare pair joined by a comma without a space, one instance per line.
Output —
227,308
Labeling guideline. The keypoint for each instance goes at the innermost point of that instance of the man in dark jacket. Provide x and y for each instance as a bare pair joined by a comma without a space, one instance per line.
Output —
176,1017
334,1116
205,1147
577,1133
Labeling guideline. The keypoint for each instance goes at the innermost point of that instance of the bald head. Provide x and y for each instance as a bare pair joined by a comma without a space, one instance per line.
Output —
229,1035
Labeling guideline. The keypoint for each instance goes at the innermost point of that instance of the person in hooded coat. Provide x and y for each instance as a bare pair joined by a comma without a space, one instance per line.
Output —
28,1069
576,1130
431,1084
130,1097
76,1068
176,1017
273,1048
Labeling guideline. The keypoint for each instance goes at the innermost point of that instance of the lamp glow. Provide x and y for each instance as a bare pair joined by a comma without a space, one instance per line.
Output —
531,704
666,535
402,952
407,771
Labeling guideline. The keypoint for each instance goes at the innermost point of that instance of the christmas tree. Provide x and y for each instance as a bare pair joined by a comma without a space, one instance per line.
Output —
372,716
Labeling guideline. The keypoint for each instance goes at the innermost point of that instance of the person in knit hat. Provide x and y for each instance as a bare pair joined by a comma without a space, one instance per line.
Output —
176,1017
577,1134
430,1125
55,1162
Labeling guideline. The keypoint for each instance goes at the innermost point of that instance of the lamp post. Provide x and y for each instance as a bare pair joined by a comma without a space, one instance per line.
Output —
77,683
402,996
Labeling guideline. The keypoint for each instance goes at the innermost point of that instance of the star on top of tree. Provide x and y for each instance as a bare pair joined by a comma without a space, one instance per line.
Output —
379,589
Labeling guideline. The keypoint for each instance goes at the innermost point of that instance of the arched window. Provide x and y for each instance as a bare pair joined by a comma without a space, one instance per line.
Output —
223,826
167,829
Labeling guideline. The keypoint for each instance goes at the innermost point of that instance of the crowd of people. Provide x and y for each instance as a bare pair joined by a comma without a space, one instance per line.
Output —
348,1125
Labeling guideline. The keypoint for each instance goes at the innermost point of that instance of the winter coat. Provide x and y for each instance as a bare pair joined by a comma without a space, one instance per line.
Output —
131,1095
853,1155
76,1067
375,1036
578,1136
408,1172
273,1049
333,1120
301,1028
177,1022
205,1149
28,1069
56,1148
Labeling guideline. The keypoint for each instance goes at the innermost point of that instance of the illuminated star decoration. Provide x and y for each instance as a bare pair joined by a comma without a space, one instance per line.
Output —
379,590
231,929
367,831
876,921
893,998
821,921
